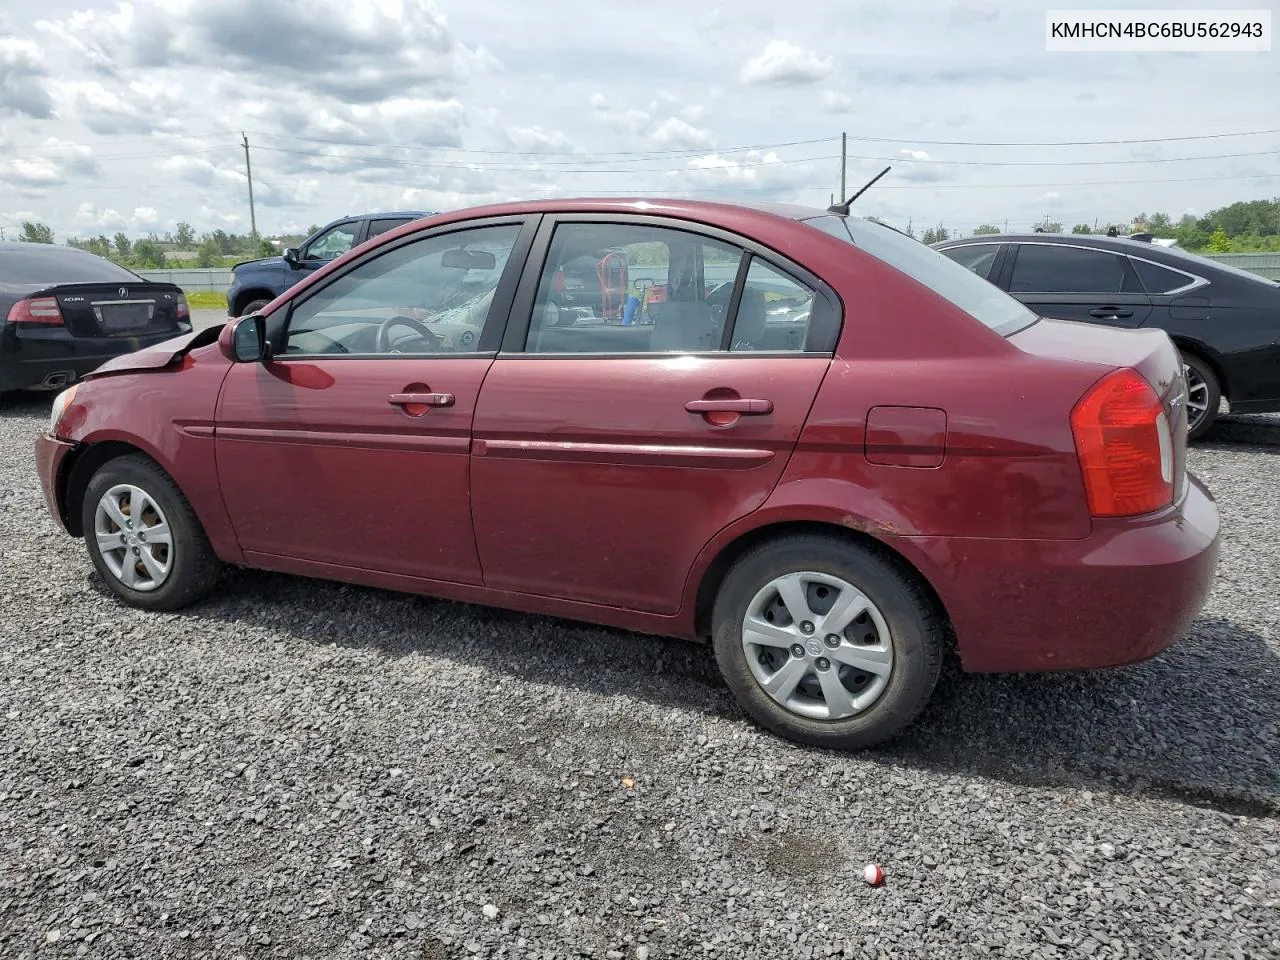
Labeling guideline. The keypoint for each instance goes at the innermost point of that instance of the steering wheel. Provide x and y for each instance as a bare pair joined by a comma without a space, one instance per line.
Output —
417,326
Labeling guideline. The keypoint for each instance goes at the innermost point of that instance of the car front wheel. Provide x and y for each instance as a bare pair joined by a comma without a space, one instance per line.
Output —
827,642
253,306
144,538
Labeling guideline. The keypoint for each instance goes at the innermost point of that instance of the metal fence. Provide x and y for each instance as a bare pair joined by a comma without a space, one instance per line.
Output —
196,278
219,278
1263,264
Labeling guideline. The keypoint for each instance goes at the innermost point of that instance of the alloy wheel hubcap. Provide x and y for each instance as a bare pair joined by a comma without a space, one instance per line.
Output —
133,537
1197,397
817,646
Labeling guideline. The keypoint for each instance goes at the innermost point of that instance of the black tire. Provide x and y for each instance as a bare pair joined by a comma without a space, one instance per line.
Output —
253,306
916,625
1197,368
195,568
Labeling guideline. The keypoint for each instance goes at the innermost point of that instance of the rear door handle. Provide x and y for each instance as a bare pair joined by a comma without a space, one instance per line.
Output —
747,408
1105,313
421,399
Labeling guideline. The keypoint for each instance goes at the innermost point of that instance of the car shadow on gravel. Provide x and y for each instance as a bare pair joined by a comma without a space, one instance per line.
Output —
22,404
1245,434
1200,724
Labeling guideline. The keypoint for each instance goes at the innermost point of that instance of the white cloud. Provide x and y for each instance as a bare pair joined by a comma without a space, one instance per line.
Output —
376,104
782,62
22,73
678,135
537,140
88,215
836,101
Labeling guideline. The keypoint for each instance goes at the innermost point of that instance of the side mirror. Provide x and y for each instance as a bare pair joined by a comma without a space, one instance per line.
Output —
292,257
244,340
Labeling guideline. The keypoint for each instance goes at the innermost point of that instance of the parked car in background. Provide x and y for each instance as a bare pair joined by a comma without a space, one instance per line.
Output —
860,453
255,283
1225,321
66,311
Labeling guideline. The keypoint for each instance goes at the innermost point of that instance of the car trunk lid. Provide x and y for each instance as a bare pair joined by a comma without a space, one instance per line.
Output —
125,309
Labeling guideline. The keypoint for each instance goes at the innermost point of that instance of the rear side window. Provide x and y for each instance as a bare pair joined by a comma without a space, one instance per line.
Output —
773,312
623,288
1053,268
983,301
54,265
978,257
1158,279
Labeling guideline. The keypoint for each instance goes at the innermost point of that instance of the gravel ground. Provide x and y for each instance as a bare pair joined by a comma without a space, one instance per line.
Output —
204,317
308,770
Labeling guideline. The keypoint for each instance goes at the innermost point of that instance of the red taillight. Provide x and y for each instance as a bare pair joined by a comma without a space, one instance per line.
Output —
1125,446
43,310
182,311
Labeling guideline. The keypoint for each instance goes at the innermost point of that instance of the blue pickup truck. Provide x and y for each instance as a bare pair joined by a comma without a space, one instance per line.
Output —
255,283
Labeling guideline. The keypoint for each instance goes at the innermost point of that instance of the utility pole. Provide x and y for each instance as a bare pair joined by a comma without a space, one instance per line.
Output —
844,154
248,171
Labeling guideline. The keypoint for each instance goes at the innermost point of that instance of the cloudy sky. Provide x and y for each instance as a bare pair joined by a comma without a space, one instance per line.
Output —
128,116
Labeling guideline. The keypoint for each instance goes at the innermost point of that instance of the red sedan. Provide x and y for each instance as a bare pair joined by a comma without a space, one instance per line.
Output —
829,450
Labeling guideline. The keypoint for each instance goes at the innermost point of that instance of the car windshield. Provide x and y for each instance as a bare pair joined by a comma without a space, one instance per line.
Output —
981,300
49,266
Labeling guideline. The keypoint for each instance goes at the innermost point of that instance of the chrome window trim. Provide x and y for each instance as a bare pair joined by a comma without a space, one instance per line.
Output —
1196,281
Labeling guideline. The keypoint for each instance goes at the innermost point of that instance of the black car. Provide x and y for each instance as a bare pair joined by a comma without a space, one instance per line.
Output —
1225,321
66,312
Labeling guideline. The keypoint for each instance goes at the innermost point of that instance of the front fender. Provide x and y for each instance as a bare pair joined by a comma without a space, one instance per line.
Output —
168,414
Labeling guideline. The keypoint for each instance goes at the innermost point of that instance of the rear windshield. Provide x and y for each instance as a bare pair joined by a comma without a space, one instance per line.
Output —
983,301
49,266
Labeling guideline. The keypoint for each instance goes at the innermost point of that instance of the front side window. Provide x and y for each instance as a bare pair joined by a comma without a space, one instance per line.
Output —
1052,268
983,301
625,288
431,296
333,243
978,257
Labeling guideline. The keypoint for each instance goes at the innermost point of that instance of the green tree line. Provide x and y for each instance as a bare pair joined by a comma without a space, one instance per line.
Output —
1243,227
1249,226
213,249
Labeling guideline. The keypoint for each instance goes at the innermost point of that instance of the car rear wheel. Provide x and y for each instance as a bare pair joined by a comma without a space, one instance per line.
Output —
827,642
1204,396
144,538
253,306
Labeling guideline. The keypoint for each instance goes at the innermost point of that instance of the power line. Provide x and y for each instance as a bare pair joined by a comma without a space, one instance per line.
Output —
159,138
643,154
113,142
1071,163
743,189
1064,143
127,156
1083,183
467,165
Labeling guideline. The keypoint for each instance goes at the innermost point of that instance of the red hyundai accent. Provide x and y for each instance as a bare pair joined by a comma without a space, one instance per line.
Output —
805,437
